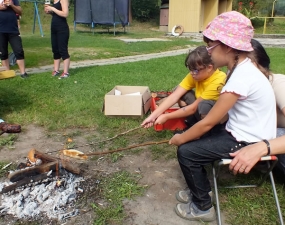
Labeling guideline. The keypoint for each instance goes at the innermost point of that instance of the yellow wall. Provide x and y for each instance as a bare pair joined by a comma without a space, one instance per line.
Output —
225,6
185,13
210,11
194,15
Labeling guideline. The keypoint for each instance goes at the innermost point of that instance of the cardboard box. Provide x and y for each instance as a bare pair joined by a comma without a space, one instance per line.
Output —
132,101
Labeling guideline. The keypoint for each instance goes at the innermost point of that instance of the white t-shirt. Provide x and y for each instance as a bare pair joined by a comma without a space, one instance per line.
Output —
253,116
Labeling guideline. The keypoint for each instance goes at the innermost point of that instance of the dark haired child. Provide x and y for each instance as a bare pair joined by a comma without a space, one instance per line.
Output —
207,82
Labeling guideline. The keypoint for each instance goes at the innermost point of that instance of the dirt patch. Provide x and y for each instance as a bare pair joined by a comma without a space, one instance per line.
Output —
162,177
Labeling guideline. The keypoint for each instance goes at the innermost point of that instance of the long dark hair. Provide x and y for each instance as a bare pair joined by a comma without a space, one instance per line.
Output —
260,57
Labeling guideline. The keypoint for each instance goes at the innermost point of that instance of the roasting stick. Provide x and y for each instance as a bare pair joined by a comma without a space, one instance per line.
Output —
96,143
126,148
109,139
80,155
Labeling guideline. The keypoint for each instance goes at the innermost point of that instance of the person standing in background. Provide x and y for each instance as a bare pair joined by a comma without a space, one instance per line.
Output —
59,36
9,33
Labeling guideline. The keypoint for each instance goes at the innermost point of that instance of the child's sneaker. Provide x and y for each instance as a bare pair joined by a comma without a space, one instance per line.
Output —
190,211
185,196
64,75
55,73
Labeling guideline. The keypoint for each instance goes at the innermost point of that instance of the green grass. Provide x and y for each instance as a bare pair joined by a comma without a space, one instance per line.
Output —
58,104
8,141
5,171
251,205
116,188
276,55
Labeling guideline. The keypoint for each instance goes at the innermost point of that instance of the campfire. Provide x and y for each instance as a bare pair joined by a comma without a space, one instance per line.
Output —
44,185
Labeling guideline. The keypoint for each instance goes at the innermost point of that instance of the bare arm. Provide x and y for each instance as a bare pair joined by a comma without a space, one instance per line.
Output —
63,13
219,110
248,156
170,101
180,113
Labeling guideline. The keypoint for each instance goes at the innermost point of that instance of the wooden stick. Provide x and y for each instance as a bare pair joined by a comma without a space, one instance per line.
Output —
32,171
109,139
24,181
126,148
99,142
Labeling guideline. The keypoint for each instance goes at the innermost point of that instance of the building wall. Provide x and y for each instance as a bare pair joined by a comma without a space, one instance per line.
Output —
210,11
194,15
185,13
225,6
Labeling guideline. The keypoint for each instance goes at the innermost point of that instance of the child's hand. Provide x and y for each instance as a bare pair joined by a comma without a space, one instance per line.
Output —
148,122
175,140
161,119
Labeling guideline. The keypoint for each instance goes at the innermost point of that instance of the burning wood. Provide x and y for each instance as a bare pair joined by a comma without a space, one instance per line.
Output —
48,163
45,188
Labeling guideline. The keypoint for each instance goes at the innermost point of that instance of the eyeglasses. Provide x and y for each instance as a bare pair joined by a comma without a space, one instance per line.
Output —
209,49
196,71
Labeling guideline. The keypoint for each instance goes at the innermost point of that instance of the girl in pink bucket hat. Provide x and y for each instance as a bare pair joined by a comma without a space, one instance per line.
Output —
247,98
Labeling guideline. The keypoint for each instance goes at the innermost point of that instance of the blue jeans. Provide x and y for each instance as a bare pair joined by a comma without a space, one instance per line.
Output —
194,155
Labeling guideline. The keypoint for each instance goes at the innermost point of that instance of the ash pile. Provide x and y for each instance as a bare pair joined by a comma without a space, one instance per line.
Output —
32,193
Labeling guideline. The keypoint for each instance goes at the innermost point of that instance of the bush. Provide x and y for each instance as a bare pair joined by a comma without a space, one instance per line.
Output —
144,10
257,22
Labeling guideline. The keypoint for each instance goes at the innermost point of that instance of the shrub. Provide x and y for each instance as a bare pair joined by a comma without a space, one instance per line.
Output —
144,10
257,22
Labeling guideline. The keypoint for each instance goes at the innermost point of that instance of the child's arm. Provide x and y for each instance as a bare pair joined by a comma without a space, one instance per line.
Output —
219,110
180,113
166,104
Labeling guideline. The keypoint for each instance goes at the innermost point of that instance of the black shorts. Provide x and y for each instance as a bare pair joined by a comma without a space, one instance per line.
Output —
16,45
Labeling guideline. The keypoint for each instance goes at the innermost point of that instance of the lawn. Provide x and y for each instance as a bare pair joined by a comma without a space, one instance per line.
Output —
76,102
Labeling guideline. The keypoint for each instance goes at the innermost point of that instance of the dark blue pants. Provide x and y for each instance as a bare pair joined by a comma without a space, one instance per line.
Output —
194,155
16,45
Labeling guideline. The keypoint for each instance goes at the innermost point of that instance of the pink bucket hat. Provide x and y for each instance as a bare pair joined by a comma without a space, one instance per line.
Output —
231,28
